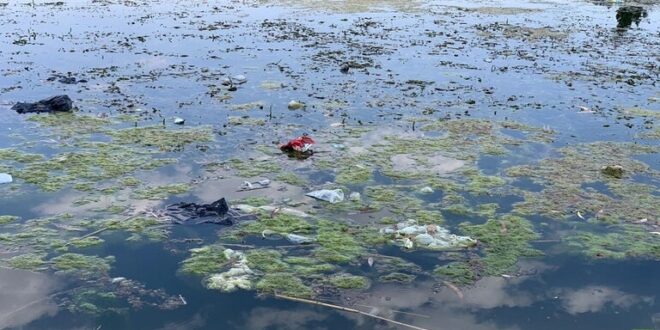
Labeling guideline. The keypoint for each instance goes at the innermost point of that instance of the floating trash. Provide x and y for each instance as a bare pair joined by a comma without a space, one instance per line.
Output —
330,196
6,178
60,103
239,276
426,190
295,105
299,239
409,234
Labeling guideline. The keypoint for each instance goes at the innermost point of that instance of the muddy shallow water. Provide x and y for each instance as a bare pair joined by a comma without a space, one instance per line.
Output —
506,121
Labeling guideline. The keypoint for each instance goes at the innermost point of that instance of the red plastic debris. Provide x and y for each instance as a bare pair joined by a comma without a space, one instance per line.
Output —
299,144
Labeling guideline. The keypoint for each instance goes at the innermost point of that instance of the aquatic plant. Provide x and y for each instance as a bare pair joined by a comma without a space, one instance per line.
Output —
254,168
279,223
290,178
460,273
161,192
348,281
625,241
337,245
396,278
83,265
284,283
5,219
268,261
29,261
162,138
505,240
204,260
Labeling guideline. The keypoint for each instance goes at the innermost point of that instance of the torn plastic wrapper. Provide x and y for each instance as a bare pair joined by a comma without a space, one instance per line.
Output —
300,147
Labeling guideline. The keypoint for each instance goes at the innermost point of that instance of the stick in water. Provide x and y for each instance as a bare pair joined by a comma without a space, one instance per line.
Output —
346,309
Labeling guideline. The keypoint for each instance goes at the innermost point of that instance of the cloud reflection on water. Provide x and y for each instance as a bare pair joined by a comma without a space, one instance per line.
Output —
25,297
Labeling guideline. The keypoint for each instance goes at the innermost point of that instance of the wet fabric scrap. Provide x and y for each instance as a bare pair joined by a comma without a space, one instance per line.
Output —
218,213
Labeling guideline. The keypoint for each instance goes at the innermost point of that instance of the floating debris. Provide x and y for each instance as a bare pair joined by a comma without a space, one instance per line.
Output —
427,190
6,178
239,276
615,171
217,212
330,196
299,239
410,234
626,15
60,103
295,105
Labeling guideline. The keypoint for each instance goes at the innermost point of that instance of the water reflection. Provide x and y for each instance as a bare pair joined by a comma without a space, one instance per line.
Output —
196,322
593,299
25,297
271,318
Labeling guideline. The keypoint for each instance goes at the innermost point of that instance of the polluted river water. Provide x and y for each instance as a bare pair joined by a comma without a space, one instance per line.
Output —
492,165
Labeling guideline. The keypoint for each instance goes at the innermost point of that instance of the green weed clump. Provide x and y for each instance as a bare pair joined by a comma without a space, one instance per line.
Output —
204,261
337,244
347,281
505,240
82,264
284,283
162,192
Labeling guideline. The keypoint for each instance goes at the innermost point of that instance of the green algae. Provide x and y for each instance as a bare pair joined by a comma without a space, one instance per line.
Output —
94,162
396,278
337,244
19,156
280,223
255,201
381,193
29,261
254,168
563,178
641,112
130,181
161,192
456,272
284,283
369,236
395,265
480,184
290,178
268,261
71,125
347,281
353,174
135,224
91,302
428,217
245,121
86,242
506,240
248,106
161,138
5,219
204,260
627,241
82,264
308,266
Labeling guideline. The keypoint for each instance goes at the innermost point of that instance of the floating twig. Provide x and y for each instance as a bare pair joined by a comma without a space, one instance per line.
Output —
96,231
454,288
397,311
347,309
